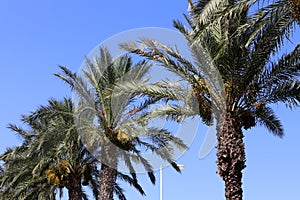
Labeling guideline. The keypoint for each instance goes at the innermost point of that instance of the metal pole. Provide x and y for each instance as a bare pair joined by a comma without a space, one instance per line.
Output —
160,185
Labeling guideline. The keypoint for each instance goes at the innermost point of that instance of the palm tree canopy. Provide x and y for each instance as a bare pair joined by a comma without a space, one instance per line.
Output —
240,46
51,154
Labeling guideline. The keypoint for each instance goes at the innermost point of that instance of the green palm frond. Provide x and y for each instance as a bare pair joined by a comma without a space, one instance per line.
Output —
286,68
132,182
24,134
163,55
119,192
287,93
270,40
266,117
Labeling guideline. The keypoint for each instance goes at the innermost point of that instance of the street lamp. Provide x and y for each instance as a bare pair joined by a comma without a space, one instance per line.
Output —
161,180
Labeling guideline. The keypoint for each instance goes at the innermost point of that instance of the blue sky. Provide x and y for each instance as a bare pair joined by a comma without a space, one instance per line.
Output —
37,36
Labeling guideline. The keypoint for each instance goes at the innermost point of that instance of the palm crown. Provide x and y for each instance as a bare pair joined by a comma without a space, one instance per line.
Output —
240,49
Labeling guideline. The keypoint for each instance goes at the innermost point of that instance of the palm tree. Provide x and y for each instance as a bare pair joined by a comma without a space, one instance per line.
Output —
17,180
238,46
71,162
107,122
51,155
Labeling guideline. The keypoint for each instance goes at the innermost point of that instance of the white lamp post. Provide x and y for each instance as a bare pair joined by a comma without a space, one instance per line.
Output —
161,181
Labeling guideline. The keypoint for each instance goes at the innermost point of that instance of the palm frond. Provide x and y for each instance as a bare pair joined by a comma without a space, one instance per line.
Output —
119,192
266,117
132,182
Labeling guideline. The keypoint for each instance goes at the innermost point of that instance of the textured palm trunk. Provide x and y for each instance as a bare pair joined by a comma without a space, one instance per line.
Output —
74,188
108,172
231,155
108,177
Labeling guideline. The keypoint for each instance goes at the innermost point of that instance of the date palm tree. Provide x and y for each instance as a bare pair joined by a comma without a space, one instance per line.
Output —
17,180
52,156
72,165
105,117
233,46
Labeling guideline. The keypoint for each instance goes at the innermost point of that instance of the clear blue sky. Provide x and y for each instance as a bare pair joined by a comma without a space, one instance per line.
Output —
36,36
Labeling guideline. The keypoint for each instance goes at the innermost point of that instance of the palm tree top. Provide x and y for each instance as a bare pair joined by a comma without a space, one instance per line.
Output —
241,49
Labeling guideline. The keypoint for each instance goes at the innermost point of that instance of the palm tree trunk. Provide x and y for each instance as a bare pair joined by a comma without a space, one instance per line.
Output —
108,172
108,177
75,188
231,155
